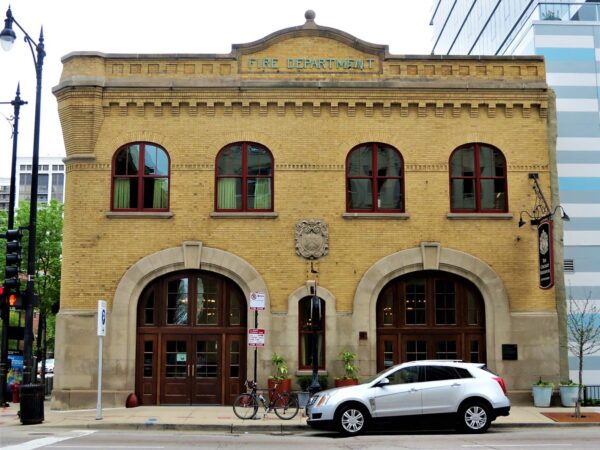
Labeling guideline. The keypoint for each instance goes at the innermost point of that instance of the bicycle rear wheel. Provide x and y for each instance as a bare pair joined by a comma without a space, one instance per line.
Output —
286,406
245,406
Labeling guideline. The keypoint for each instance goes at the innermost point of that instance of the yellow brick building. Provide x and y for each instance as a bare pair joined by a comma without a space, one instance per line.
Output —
197,180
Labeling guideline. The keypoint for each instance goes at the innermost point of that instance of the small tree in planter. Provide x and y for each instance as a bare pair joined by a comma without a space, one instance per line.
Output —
583,328
351,370
280,379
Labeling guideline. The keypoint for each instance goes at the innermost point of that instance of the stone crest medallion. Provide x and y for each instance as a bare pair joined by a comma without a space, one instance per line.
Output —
312,238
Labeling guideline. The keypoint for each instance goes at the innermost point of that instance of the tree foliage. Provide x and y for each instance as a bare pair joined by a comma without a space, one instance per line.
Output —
49,233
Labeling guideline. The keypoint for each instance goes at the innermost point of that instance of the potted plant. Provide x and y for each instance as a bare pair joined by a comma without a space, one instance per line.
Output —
350,376
542,393
304,381
280,375
569,390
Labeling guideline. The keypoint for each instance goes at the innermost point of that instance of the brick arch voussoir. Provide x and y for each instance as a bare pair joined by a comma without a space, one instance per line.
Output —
140,136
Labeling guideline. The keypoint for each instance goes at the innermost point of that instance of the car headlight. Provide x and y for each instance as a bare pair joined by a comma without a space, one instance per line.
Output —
322,400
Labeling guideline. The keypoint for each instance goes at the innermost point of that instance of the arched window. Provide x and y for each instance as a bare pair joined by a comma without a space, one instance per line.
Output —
478,179
375,179
244,178
307,318
140,178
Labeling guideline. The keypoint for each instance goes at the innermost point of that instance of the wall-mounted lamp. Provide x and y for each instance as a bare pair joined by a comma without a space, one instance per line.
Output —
535,220
541,210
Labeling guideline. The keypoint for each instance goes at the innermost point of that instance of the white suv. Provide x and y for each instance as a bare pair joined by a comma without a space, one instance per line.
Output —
464,395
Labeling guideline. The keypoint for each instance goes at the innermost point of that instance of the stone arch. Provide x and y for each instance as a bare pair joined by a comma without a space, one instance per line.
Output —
191,255
431,256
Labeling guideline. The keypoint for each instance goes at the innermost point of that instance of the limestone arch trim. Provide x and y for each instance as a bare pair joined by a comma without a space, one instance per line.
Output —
491,287
121,346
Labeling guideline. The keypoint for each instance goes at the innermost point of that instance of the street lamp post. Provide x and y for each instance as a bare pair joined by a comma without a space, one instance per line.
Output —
4,308
7,38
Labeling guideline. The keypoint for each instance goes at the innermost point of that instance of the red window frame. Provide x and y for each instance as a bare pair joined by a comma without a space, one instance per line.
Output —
140,176
477,179
374,177
244,177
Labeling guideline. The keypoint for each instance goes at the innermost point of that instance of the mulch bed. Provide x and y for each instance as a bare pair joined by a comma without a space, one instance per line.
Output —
586,417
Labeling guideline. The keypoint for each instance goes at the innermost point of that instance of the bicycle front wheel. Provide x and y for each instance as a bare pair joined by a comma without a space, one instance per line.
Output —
286,406
245,406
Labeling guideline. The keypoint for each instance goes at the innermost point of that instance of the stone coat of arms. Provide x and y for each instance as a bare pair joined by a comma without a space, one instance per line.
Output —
312,238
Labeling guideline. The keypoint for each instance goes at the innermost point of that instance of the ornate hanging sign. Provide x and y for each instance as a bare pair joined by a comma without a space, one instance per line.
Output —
312,238
545,250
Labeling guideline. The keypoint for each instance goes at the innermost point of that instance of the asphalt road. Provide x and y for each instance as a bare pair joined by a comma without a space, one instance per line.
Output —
505,438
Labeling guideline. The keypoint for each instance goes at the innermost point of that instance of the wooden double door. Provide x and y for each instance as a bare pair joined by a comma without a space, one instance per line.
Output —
430,315
191,341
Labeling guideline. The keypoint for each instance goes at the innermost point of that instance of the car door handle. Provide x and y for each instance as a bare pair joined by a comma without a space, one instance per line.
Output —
414,390
455,384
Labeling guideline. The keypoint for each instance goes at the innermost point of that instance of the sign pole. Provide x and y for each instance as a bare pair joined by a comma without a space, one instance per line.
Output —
256,336
255,348
101,334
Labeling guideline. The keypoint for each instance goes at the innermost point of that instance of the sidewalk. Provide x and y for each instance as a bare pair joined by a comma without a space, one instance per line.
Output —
222,418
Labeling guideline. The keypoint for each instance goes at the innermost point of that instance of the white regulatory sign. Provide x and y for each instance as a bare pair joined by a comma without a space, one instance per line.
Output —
101,317
257,300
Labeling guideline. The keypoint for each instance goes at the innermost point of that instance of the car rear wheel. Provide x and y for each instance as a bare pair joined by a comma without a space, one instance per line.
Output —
351,420
474,417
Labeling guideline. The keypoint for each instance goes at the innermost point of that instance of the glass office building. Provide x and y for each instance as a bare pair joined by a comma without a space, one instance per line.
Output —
567,34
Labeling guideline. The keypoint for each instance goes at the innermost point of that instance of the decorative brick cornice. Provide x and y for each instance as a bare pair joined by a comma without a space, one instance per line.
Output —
383,108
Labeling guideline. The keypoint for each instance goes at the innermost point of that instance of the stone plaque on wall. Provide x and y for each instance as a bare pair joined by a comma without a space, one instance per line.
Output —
312,238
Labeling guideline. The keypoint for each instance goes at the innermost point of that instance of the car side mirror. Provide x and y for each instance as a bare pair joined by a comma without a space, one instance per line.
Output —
382,382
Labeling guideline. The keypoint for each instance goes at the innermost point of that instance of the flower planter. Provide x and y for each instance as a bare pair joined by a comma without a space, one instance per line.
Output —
345,382
303,398
284,385
568,395
542,395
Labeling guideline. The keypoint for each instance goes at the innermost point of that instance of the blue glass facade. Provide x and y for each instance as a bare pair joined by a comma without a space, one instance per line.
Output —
567,34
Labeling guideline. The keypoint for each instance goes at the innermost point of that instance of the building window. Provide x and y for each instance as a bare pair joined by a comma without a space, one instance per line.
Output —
478,179
58,184
375,181
24,186
307,319
244,178
141,178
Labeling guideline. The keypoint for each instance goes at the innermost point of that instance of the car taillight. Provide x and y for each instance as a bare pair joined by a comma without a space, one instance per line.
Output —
501,383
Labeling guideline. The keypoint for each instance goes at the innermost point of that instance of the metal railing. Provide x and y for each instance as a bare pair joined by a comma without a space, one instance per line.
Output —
591,395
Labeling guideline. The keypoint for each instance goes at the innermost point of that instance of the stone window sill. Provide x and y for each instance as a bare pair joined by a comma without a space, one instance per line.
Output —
244,215
391,216
477,216
138,215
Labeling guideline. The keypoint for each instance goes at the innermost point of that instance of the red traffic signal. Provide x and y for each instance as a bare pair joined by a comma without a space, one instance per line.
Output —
15,300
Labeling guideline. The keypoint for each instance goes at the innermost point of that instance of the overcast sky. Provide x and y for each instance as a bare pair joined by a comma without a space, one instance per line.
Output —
174,26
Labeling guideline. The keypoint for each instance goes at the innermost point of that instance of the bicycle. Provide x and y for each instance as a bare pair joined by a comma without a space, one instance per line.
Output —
284,404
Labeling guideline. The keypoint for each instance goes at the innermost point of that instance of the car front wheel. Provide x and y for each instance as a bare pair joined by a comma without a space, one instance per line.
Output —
474,418
351,420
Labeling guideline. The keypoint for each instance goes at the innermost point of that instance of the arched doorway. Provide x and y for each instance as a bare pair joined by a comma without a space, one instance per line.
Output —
191,340
430,315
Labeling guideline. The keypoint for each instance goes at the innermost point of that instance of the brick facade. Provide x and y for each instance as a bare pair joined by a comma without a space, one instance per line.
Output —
309,113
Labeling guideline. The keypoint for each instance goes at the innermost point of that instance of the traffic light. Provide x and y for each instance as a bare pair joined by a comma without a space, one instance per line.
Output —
15,300
13,259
